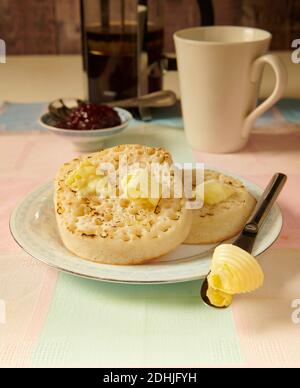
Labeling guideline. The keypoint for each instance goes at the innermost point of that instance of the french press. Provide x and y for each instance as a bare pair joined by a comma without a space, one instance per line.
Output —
122,45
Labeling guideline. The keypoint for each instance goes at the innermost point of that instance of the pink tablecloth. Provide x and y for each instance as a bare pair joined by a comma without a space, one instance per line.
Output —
266,324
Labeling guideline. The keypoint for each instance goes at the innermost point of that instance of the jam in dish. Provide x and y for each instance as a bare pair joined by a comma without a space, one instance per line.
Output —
91,116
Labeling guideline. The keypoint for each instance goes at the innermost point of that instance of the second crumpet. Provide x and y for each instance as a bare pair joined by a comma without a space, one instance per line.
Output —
227,207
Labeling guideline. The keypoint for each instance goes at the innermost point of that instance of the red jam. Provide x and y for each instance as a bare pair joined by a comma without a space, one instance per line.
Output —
91,116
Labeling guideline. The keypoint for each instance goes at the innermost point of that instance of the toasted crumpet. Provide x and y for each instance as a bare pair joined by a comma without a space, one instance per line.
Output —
215,223
118,230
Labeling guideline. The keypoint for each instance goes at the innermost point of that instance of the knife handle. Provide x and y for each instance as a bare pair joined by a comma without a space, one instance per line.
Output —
265,203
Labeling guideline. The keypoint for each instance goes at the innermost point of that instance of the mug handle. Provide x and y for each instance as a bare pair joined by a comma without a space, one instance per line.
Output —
281,82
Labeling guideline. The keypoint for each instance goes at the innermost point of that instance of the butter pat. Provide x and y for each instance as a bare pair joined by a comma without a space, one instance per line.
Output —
85,181
82,178
219,298
233,271
139,186
213,192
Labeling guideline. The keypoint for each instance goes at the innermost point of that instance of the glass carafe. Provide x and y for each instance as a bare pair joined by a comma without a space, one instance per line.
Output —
122,48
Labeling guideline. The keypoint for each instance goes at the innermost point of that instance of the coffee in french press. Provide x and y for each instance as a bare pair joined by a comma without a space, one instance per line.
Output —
122,42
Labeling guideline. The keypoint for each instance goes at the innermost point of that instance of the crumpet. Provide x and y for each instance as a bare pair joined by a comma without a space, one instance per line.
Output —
116,230
216,222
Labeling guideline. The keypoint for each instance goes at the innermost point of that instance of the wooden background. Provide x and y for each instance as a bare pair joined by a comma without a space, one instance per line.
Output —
53,26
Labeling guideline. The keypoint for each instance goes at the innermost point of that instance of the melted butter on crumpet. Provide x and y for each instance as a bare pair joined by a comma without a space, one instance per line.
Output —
138,186
213,191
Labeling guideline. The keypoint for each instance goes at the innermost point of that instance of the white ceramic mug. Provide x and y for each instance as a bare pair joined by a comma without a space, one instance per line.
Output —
220,71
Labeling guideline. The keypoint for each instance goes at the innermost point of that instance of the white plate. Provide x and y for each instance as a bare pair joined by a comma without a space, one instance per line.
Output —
33,226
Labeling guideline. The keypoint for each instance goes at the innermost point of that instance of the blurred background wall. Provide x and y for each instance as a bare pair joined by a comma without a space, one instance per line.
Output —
53,26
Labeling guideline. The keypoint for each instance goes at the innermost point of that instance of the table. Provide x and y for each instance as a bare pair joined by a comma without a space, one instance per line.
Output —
54,319
22,78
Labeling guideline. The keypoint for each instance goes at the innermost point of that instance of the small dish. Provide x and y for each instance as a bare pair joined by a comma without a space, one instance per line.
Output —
87,140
